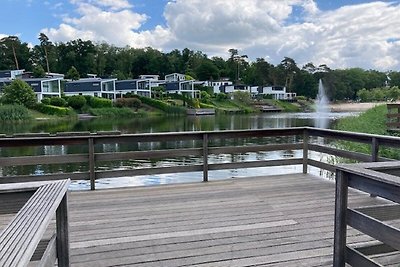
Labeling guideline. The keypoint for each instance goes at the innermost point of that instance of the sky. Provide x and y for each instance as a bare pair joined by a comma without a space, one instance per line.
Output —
340,34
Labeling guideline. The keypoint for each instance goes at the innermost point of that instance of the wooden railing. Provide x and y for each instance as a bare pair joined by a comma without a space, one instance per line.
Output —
20,238
91,158
379,179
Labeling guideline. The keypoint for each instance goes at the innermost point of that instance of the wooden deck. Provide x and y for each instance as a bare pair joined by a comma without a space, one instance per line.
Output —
263,221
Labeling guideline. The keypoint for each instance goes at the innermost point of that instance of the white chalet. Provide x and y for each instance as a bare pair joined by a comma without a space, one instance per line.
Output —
277,92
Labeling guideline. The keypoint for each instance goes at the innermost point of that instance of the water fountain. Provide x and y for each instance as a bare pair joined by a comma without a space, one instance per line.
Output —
322,107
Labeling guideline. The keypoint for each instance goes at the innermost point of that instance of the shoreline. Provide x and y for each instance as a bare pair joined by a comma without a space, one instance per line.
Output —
343,107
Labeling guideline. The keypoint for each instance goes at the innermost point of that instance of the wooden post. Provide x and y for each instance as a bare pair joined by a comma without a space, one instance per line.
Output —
205,157
62,233
92,174
374,149
339,245
305,151
374,153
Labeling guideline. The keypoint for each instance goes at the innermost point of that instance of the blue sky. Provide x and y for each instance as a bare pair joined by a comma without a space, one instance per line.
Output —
340,33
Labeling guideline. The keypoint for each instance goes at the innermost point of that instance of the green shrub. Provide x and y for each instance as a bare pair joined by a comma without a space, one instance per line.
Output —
98,102
242,97
202,105
18,92
205,97
46,101
112,112
88,98
54,110
58,101
14,113
221,96
161,105
128,103
301,98
76,101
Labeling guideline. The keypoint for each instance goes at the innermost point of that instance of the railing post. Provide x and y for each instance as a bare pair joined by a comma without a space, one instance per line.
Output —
339,244
305,150
205,157
62,240
374,154
92,174
374,149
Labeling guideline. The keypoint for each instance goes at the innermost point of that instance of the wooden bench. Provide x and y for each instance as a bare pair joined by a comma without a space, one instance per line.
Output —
20,238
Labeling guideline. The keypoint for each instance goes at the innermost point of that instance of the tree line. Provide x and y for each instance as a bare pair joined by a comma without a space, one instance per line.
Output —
77,58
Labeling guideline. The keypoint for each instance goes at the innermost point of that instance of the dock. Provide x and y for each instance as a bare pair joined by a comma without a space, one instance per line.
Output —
200,111
284,220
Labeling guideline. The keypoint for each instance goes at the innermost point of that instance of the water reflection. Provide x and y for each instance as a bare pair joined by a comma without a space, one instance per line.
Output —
163,124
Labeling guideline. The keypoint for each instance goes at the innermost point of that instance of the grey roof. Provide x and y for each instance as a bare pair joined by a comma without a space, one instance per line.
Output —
91,80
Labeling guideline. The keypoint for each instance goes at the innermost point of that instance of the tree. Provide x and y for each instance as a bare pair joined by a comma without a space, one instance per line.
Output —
394,78
207,71
44,42
14,54
19,93
12,40
38,72
289,66
259,73
72,74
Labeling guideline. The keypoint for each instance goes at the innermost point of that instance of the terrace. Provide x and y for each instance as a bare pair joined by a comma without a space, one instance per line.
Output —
268,220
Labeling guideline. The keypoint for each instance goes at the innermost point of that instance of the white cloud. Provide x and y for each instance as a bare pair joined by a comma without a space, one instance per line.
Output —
364,35
110,21
351,36
112,4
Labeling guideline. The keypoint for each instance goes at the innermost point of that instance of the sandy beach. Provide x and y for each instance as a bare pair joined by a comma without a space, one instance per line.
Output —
342,107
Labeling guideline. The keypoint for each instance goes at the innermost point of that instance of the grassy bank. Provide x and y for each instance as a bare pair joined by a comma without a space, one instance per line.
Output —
373,121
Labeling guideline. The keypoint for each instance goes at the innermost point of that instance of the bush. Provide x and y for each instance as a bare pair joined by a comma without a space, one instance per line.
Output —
54,110
301,98
58,101
14,113
242,97
46,101
205,97
19,93
221,96
112,112
98,102
128,103
161,105
76,101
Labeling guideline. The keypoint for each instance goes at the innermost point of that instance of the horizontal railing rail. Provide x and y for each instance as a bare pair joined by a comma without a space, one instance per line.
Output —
92,156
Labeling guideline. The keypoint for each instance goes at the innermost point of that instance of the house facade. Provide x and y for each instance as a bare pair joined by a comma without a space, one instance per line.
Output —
141,86
136,86
176,83
92,86
43,87
277,92
11,74
175,77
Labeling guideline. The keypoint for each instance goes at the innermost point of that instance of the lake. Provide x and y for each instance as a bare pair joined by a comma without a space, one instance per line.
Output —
175,124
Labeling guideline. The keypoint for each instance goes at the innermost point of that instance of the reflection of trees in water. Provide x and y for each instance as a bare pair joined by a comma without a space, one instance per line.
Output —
139,125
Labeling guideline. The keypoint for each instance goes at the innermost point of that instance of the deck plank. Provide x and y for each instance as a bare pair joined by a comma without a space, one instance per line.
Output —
277,220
